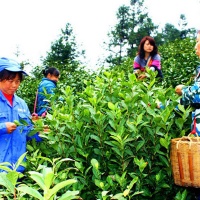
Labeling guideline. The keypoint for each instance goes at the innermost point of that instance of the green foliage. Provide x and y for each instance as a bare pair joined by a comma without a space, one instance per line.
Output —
178,61
74,79
107,138
45,181
9,178
116,135
27,91
170,33
181,196
133,23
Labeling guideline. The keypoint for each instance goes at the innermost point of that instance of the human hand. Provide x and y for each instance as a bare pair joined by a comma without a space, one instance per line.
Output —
178,89
141,76
138,71
10,126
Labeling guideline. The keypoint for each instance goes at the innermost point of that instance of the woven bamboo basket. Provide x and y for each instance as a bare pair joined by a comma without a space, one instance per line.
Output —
185,161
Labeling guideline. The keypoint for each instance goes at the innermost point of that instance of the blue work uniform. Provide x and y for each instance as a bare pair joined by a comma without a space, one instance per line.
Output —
13,145
48,86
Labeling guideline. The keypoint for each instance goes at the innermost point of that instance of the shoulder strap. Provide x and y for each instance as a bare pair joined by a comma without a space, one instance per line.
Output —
35,104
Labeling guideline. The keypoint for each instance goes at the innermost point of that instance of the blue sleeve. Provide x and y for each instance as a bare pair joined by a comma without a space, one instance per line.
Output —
36,137
3,129
50,88
190,94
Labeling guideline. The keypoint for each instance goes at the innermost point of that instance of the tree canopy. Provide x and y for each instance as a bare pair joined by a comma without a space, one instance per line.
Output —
133,24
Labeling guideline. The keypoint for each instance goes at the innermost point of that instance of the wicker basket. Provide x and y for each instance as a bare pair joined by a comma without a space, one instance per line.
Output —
185,161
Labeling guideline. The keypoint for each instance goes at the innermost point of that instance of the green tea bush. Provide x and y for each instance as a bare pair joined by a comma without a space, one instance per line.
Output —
179,61
117,136
110,126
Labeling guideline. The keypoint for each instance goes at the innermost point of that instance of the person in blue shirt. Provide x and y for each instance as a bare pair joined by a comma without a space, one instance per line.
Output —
46,86
13,138
190,95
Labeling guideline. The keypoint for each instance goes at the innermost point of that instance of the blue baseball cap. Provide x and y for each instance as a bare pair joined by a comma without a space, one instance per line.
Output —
10,65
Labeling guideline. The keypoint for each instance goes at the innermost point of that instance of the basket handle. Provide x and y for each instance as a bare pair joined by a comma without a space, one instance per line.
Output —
183,138
188,138
193,132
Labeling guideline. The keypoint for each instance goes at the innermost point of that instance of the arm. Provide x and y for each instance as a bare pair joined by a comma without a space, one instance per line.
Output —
156,62
178,89
190,94
138,68
155,65
50,89
7,127
136,65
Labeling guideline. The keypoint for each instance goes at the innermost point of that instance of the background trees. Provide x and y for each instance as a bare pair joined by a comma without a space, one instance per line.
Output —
64,51
65,55
133,24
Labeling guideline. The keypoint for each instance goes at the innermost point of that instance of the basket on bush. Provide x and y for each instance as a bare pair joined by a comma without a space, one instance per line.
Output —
185,161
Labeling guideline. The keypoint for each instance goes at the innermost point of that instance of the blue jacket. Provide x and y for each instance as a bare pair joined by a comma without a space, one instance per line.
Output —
13,145
45,86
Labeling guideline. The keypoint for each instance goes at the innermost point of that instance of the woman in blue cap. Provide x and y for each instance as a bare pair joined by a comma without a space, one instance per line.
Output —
13,138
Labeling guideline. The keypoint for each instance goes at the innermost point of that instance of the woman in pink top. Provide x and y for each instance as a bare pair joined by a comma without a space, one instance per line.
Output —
147,56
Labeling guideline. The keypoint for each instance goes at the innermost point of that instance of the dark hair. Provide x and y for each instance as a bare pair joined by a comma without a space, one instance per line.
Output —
141,51
52,71
8,75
